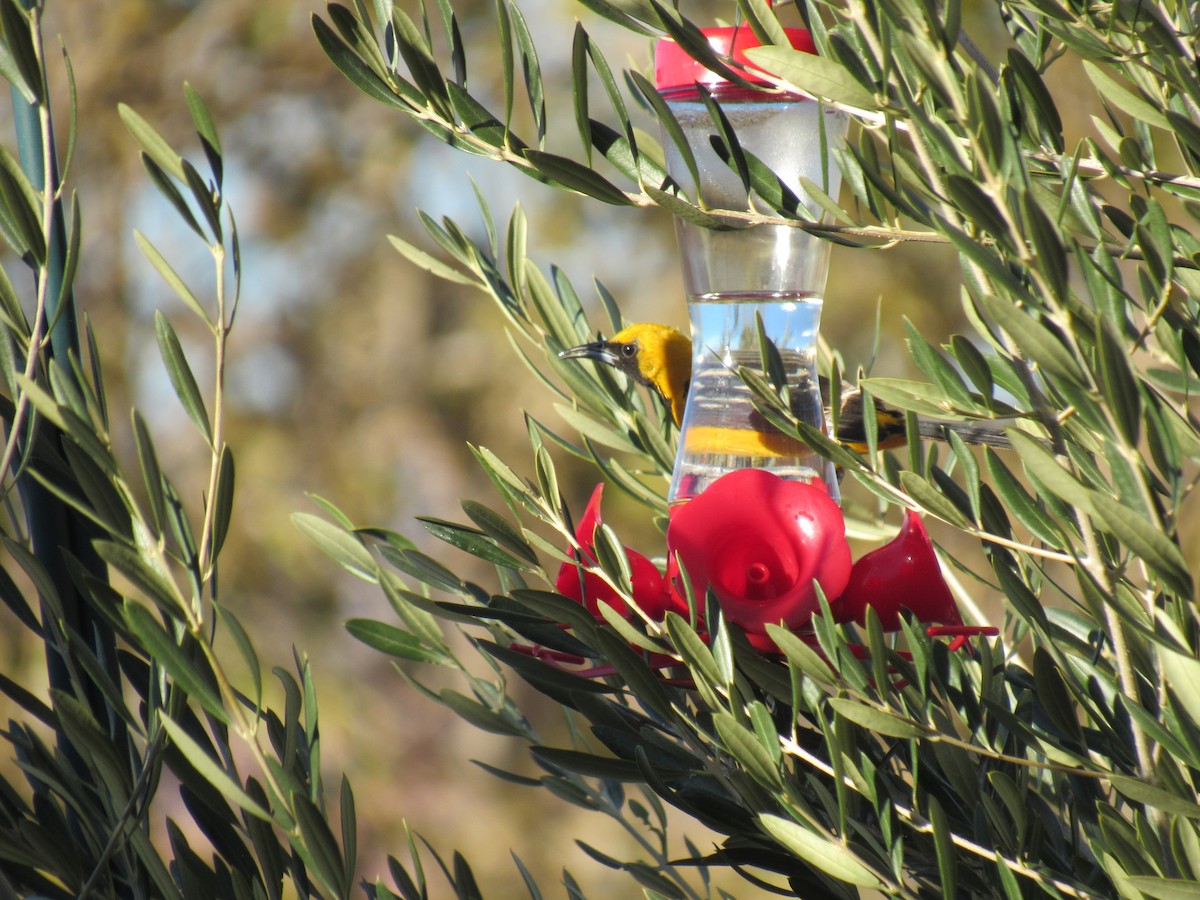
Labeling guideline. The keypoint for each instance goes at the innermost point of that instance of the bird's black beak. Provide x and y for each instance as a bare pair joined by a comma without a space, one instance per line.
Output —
600,351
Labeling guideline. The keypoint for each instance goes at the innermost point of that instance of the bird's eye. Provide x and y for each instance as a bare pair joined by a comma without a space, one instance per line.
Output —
629,350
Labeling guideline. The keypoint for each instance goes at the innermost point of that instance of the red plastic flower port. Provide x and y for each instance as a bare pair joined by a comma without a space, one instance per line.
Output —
902,574
760,542
650,589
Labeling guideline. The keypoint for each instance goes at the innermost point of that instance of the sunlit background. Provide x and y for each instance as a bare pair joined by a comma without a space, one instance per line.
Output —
359,378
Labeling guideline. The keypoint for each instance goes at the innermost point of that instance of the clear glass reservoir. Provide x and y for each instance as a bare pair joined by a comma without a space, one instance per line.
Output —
721,429
777,272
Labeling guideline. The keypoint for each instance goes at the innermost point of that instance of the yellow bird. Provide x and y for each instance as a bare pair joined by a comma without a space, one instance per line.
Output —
660,357
657,356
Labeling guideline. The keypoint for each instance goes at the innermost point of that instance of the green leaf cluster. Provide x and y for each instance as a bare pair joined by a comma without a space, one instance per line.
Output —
114,571
1058,758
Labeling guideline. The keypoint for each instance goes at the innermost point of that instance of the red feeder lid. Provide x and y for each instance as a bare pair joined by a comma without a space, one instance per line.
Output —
673,68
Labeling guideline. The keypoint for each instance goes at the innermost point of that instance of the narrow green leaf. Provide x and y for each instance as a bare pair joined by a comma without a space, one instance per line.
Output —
1155,797
429,263
1124,99
670,125
615,96
46,590
762,19
601,433
547,482
1046,237
1044,119
1034,340
18,34
821,852
207,131
479,120
423,568
818,76
973,364
11,313
473,542
934,365
1117,382
392,641
14,599
1042,465
588,764
611,556
613,13
500,529
343,547
943,841
172,194
765,730
360,74
507,59
151,141
27,701
163,648
579,87
801,655
105,504
1182,675
416,611
515,491
743,745
421,65
1165,888
1020,503
148,580
555,607
645,685
323,851
92,740
624,155
730,149
1054,696
912,396
532,69
20,209
682,209
205,198
222,501
877,720
74,239
931,499
341,518
11,72
1147,541
212,771
478,715
692,649
576,177
180,373
245,648
628,631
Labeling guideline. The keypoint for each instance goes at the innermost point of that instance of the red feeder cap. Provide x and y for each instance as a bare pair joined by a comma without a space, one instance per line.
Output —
673,68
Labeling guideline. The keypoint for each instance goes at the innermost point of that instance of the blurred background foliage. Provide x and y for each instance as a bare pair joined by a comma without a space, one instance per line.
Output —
357,376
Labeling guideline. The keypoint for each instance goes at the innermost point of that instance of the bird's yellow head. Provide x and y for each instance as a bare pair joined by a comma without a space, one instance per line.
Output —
657,356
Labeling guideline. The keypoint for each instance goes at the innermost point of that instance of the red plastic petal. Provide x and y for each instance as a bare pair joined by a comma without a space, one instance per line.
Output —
650,590
902,574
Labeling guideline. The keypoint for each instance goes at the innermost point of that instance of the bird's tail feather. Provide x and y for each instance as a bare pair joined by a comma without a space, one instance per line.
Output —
971,433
